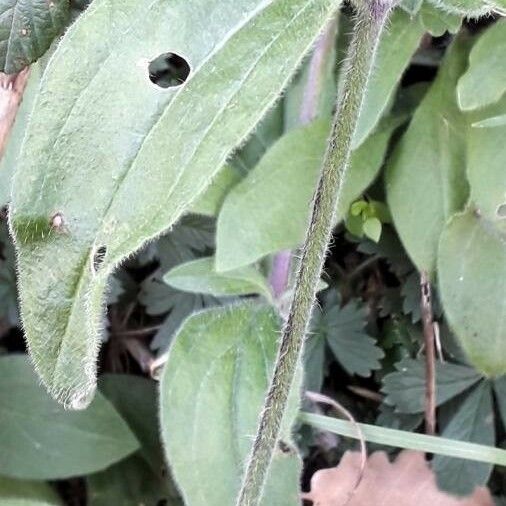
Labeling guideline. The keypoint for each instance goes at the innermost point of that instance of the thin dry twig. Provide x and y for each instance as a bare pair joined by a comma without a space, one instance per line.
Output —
430,355
11,95
323,399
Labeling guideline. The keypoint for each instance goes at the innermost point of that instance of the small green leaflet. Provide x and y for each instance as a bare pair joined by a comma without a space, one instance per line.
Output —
405,388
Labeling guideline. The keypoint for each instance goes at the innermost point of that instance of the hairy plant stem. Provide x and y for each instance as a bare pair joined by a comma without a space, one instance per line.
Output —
371,18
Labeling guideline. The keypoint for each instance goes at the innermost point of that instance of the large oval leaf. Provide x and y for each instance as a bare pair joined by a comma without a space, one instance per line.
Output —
425,179
269,210
40,440
27,28
472,278
111,160
212,392
485,79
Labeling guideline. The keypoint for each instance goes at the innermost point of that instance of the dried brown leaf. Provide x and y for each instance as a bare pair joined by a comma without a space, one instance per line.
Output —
406,482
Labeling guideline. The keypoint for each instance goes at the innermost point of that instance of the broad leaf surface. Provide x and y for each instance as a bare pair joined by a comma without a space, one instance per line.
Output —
269,210
473,421
27,28
40,440
485,80
27,493
425,179
114,187
472,274
405,388
200,276
212,393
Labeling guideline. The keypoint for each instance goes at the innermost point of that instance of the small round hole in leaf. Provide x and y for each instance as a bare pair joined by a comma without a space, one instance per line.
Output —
501,211
169,70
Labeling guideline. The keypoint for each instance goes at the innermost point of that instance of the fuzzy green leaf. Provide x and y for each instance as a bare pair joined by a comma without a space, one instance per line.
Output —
85,198
268,211
472,279
212,391
27,28
27,493
32,447
405,388
485,80
473,421
425,179
395,50
200,276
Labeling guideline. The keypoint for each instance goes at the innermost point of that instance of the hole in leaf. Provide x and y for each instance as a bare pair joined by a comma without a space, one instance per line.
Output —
98,257
169,70
501,211
284,447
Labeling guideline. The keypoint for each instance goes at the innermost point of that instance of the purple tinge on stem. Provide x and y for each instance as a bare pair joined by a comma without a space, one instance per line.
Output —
280,272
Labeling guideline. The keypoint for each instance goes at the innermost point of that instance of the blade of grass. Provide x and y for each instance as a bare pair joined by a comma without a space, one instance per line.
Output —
408,440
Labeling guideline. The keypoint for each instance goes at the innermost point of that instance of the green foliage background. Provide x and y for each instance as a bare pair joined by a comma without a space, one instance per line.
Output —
192,261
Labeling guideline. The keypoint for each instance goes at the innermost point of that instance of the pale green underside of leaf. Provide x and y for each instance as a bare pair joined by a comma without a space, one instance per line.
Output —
212,392
425,178
472,279
269,210
27,493
485,80
122,161
27,28
40,440
199,276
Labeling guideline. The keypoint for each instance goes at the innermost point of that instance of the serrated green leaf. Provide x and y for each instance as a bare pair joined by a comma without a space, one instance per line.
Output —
212,392
27,28
405,389
395,50
343,330
472,422
268,211
132,183
484,82
472,280
27,493
200,276
425,177
32,447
